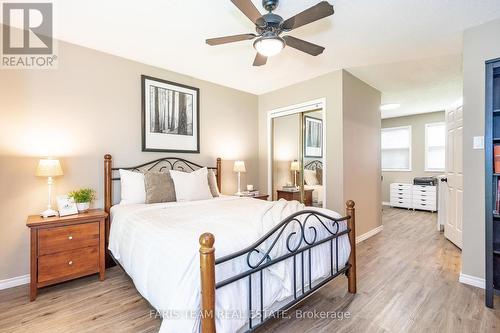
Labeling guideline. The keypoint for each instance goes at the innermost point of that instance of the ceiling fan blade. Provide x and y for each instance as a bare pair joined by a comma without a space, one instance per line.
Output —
303,46
317,12
260,60
248,8
230,39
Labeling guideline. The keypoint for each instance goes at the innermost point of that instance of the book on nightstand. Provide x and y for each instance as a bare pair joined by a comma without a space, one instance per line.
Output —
249,193
288,188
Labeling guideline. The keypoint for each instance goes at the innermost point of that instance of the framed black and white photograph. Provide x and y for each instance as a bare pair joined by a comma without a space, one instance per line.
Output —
313,137
170,116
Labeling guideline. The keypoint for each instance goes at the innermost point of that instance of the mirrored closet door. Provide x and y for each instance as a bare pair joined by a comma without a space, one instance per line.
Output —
313,188
297,157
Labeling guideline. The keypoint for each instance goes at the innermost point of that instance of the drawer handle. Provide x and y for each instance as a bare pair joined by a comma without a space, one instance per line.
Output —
400,201
70,262
70,237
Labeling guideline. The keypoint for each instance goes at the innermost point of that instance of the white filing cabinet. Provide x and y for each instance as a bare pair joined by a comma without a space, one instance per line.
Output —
401,194
406,195
424,197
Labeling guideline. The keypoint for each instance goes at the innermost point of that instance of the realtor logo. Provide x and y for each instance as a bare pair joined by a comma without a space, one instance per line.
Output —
27,35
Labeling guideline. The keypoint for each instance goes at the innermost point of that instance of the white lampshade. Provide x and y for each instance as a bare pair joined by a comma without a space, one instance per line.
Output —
239,166
295,166
48,168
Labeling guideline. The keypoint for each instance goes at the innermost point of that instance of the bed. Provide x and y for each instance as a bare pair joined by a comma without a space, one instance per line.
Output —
270,255
316,187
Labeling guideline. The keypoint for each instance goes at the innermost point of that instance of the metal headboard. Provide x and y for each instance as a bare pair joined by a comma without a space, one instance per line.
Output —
159,165
313,165
164,164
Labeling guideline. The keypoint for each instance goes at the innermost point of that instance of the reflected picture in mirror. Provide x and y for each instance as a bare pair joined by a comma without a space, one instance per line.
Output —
313,143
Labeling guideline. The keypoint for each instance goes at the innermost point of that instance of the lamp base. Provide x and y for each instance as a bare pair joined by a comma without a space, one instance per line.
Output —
238,194
49,212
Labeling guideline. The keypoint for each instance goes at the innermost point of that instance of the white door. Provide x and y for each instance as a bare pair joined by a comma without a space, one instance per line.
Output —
454,175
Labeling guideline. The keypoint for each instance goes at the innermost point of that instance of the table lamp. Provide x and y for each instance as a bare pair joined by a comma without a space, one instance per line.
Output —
239,167
49,168
295,166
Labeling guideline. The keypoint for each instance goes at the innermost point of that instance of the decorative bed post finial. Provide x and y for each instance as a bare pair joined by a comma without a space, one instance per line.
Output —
207,268
351,225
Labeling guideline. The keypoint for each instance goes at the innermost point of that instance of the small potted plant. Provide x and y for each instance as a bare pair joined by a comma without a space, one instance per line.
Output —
83,197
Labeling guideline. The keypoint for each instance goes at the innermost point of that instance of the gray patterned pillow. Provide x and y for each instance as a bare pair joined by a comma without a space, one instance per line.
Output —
159,187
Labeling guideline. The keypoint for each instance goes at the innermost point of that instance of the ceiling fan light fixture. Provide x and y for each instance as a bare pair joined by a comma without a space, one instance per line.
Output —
269,46
270,26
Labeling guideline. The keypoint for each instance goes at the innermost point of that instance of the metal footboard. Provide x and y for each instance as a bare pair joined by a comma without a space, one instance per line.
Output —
298,235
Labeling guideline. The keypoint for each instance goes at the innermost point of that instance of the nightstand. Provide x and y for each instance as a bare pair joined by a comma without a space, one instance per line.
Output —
66,248
289,196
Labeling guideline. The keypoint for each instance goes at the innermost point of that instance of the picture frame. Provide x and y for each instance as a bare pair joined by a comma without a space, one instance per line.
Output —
313,137
170,116
66,205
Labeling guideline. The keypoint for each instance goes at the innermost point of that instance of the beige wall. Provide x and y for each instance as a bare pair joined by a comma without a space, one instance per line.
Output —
480,44
417,123
90,106
361,132
348,100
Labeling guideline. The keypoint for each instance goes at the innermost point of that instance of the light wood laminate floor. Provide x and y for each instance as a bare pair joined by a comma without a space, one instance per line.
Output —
407,282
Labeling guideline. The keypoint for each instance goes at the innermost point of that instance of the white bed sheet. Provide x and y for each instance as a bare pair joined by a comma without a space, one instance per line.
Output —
158,247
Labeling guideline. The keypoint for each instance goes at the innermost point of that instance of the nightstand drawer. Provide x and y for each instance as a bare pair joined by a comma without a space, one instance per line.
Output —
60,239
68,264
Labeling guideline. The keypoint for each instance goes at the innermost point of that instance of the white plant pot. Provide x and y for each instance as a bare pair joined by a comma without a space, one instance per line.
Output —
83,207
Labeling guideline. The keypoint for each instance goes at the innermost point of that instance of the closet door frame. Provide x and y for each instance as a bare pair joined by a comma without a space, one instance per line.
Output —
317,104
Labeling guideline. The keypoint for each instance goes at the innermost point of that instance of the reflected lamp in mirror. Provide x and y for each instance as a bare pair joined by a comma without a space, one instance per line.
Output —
50,168
295,166
239,167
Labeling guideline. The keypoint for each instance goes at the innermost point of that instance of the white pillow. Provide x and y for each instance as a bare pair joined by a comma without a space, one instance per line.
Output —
310,177
133,190
191,186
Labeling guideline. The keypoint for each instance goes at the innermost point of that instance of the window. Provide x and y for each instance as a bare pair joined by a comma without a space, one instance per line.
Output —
396,149
435,137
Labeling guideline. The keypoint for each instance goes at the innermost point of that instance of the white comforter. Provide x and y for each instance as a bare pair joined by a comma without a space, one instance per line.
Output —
158,247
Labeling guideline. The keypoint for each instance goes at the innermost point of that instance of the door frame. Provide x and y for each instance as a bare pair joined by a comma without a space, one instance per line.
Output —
316,104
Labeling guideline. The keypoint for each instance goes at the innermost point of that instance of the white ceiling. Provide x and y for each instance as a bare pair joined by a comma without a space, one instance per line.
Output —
361,35
420,86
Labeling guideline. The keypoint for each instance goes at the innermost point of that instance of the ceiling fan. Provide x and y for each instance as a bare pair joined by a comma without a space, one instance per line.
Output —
270,26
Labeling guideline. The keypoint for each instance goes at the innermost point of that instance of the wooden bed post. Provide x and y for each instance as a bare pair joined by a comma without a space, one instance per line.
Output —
351,224
219,174
108,200
207,269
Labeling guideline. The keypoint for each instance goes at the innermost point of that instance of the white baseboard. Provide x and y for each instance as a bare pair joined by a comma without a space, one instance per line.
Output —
369,234
385,203
14,282
472,280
